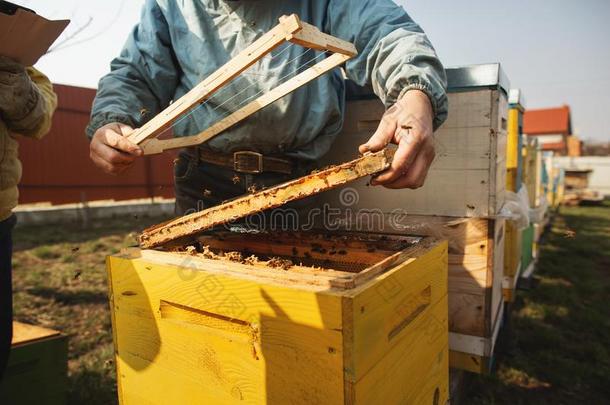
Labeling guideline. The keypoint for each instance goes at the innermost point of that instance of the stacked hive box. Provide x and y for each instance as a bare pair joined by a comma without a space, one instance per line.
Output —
555,187
463,194
200,328
532,179
37,367
514,171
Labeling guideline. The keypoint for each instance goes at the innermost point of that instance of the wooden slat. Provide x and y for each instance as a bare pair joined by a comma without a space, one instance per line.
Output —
495,270
266,199
219,78
310,37
159,145
24,333
290,28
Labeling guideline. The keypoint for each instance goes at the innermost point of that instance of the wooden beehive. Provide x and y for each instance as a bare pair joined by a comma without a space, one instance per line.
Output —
468,176
463,193
37,369
532,180
476,257
476,264
357,319
513,238
532,170
513,247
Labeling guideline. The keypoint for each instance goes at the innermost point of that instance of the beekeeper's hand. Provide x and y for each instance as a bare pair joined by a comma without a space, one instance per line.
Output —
18,93
408,123
110,149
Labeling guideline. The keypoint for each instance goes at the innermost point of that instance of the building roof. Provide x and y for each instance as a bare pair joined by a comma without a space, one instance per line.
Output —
548,121
554,146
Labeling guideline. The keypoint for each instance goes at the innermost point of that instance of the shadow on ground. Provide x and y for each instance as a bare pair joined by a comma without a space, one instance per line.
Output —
560,328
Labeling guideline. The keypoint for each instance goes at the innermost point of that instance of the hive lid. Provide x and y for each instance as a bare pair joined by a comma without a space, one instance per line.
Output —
472,77
459,79
370,163
25,334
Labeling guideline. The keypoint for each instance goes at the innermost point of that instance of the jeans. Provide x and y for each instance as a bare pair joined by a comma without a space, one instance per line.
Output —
200,185
6,290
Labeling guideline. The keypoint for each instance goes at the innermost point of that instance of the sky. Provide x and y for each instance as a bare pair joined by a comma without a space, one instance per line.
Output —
557,52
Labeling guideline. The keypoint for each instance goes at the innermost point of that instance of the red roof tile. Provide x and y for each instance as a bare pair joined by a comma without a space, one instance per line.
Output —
548,121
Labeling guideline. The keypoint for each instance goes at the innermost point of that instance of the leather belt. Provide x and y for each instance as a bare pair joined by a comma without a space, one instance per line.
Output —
247,162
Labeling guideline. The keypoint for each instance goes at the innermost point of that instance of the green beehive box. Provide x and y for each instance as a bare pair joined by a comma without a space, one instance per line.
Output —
36,371
527,249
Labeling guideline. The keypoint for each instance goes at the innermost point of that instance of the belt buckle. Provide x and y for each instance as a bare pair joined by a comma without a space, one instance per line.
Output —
248,162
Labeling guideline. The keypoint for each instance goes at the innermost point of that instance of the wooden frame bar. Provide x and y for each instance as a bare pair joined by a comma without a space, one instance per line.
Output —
276,196
290,29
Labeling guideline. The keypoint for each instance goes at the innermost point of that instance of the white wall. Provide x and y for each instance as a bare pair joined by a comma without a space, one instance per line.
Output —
599,179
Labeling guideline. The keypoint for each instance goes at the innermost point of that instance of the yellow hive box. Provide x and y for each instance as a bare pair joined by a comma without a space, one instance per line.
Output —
353,319
512,260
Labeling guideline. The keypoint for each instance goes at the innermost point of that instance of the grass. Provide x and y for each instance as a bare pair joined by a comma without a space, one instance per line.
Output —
59,281
559,346
560,329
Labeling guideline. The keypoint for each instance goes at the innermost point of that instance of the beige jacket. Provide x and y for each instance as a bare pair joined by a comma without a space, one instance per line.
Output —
10,167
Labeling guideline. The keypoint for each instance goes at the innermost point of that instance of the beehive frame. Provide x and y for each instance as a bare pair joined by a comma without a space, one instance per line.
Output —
290,29
369,164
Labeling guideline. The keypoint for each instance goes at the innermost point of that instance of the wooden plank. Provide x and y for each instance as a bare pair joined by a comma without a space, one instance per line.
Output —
456,149
423,348
512,252
512,149
445,193
495,275
467,313
477,345
470,109
310,37
270,198
307,277
472,363
24,333
290,28
155,145
216,80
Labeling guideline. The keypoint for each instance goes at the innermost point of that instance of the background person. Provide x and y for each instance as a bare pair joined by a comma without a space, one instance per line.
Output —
27,103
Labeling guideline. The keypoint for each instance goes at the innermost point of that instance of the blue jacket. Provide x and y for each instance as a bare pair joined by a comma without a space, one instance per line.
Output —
177,44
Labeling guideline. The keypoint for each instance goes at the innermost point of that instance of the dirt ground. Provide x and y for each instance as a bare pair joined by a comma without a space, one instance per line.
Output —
558,350
59,281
